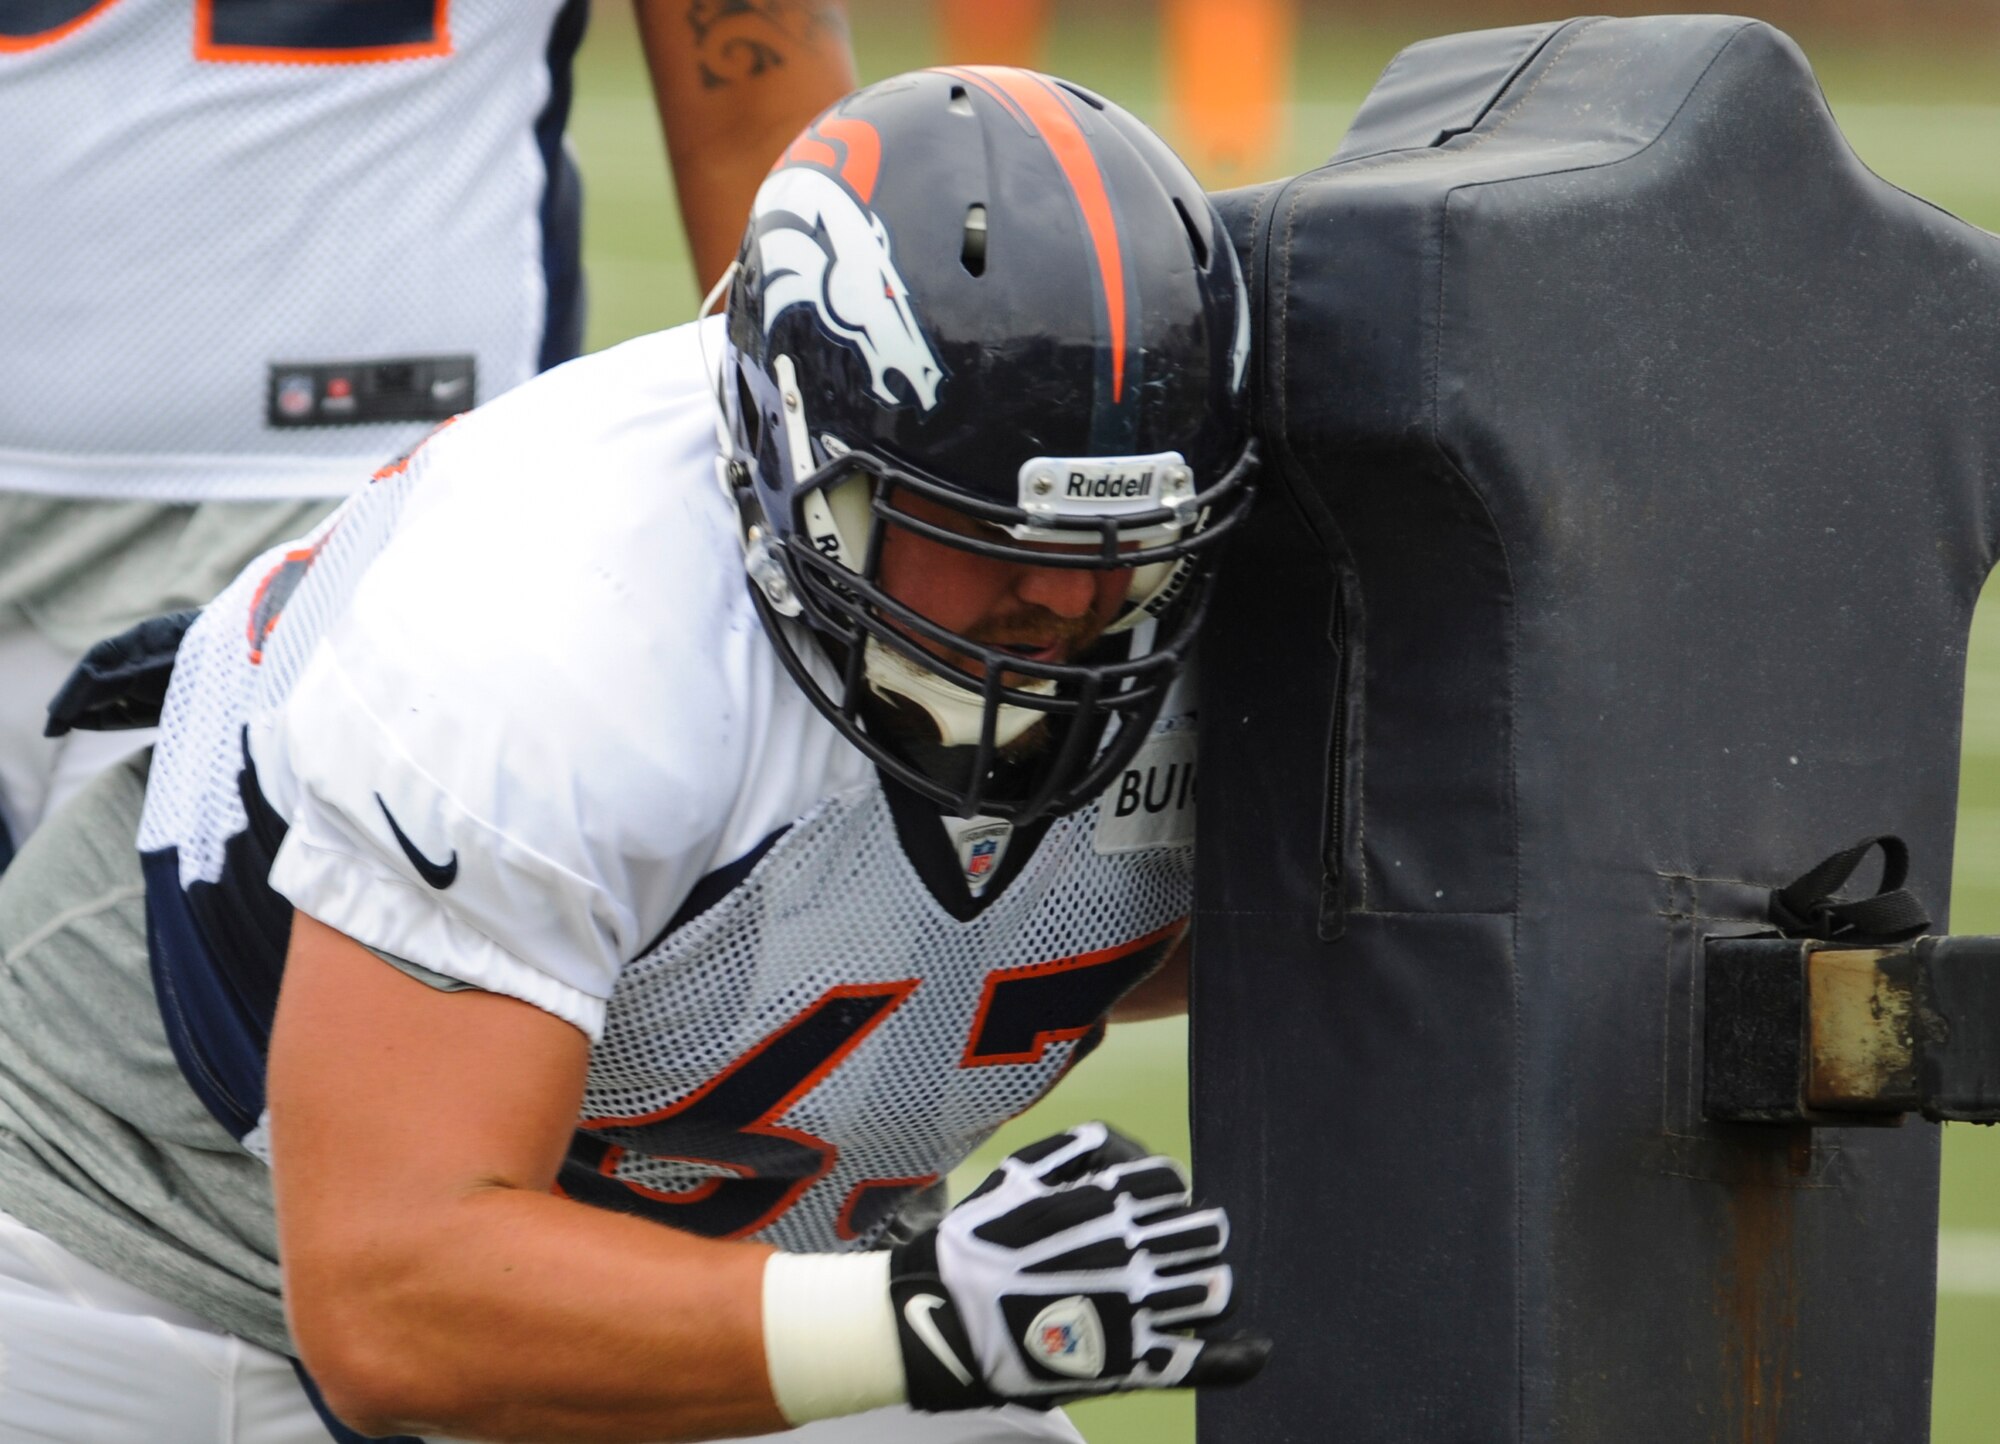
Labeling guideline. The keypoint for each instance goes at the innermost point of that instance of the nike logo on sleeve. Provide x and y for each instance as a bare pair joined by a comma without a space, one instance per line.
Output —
439,875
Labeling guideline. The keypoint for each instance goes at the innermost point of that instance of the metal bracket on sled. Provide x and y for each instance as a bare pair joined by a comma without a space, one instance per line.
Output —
1828,1033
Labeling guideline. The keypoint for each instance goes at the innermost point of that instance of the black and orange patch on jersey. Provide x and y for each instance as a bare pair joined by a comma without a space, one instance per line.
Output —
276,589
358,393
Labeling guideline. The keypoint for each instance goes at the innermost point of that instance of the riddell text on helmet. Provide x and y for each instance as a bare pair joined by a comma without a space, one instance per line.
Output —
1130,484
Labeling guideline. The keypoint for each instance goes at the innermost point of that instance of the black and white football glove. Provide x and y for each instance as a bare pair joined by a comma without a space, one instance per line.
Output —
1075,1269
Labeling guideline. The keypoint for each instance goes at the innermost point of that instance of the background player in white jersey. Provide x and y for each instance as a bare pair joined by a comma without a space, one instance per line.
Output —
256,250
652,943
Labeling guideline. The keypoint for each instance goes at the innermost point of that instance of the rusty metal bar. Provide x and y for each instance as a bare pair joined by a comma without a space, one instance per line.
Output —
1861,1048
1811,1032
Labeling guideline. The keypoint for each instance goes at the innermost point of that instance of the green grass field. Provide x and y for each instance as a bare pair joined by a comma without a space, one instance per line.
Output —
1926,119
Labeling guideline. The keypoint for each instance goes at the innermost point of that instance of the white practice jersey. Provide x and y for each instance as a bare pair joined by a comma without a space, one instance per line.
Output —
254,250
511,716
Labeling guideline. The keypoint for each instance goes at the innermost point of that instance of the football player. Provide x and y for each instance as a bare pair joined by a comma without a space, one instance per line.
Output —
254,251
688,804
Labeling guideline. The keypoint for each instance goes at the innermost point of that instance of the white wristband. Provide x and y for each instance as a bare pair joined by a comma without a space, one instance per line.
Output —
830,1335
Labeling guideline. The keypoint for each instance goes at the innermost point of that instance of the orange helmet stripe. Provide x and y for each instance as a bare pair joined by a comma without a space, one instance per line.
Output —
1041,107
857,162
863,159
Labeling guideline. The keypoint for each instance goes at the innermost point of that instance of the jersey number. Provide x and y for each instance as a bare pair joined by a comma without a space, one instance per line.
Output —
298,32
730,1122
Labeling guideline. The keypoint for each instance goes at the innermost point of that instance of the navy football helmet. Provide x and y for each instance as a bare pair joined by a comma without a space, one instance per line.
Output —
990,291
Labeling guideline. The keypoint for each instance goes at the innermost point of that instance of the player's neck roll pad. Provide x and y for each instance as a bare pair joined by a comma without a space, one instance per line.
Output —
1631,456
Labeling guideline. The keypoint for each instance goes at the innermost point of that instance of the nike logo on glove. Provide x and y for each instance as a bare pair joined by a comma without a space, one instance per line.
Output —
917,1310
439,875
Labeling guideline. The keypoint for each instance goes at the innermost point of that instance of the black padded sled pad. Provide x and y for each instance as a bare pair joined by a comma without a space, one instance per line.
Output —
1631,453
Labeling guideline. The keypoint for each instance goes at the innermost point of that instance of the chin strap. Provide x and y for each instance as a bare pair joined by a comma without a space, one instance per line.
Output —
955,710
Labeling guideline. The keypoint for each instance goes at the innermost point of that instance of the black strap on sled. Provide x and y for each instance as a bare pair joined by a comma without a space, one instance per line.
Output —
1806,907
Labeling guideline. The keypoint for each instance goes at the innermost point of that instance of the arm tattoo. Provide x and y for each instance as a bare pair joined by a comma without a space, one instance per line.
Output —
741,39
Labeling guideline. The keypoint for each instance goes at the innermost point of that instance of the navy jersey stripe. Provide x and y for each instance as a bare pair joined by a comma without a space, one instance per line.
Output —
218,953
562,197
22,19
218,1042
322,24
712,889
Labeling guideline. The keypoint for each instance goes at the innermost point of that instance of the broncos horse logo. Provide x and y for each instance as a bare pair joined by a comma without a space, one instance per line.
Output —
818,244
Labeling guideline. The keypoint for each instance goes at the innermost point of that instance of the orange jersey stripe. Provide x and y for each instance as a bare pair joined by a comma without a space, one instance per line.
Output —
1040,105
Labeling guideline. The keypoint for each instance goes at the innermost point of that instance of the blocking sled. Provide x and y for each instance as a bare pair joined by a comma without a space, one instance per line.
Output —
1632,457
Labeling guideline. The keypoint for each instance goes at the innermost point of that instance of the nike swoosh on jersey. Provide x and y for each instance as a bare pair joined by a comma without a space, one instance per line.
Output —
439,875
918,1310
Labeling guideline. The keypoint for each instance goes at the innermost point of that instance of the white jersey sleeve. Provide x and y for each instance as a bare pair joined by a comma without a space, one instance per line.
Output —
529,733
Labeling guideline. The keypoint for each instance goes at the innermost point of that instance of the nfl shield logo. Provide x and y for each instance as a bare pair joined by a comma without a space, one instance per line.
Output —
982,843
1067,1337
295,396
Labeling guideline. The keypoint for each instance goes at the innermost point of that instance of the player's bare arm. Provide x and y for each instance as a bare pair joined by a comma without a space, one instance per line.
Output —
410,1203
1164,994
414,1201
735,80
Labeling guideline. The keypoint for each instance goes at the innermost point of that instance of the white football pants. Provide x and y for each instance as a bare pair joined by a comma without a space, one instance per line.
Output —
86,1358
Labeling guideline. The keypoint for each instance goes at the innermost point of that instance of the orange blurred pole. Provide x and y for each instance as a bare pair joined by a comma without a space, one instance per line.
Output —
1229,83
993,32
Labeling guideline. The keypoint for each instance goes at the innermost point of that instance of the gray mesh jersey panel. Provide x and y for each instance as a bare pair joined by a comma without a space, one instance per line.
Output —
833,910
